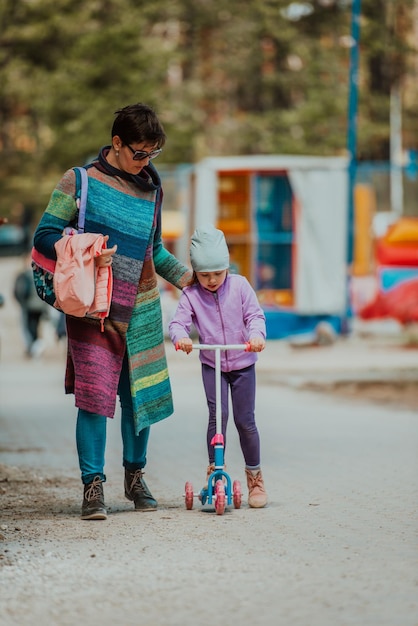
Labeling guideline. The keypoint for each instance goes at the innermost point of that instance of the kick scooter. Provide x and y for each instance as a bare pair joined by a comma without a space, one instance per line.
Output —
221,491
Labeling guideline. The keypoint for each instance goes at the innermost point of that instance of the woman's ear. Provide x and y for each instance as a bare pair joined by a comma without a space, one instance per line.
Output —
117,143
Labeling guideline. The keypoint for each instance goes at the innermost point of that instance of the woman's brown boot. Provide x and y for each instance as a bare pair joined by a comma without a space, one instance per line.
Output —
136,490
93,506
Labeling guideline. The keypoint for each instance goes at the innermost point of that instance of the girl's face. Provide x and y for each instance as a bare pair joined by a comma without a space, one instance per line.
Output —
211,280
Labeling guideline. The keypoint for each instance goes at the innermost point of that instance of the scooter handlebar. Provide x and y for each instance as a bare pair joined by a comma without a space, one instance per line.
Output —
232,346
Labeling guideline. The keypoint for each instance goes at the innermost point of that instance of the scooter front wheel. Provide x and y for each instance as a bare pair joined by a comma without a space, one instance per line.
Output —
220,497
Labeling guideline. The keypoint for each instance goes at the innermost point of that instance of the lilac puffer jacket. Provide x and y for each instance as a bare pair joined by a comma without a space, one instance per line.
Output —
231,315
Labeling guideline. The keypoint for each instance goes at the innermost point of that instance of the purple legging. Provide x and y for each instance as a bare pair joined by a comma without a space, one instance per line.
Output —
242,386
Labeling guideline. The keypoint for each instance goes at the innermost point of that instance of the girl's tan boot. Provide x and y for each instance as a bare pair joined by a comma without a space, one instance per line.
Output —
257,496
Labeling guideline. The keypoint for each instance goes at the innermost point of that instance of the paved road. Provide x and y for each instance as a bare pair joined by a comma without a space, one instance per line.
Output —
336,546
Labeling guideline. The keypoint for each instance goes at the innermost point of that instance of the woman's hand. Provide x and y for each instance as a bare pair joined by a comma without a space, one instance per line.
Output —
105,258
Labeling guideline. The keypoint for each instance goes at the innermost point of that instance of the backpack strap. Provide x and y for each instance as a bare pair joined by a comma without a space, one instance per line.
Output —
82,183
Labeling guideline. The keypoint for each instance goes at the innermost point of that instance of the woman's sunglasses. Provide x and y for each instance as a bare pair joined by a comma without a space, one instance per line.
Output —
140,155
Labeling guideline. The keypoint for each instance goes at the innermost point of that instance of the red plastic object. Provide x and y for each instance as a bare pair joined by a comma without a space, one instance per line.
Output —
396,253
237,494
219,497
399,303
188,495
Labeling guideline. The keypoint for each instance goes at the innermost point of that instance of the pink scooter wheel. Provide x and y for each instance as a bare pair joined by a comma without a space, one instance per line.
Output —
188,496
237,494
220,497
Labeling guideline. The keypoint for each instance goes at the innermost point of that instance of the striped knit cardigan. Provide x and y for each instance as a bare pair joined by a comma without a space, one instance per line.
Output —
128,209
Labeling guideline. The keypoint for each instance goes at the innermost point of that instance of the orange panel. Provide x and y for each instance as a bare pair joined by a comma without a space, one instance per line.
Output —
364,210
240,258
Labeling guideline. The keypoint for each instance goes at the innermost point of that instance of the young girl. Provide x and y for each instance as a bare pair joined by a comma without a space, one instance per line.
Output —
224,309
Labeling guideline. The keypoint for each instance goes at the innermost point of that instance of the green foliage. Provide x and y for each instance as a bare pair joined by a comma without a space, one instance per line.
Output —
226,78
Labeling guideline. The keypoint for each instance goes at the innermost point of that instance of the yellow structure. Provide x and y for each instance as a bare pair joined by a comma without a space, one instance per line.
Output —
364,211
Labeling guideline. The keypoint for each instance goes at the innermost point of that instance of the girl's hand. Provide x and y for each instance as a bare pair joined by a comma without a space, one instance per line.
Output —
257,344
105,258
184,344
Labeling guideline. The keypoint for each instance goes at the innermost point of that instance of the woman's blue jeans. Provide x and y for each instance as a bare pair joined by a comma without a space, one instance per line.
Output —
91,436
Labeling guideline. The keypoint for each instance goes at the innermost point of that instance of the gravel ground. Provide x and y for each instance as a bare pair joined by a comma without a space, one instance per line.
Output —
336,546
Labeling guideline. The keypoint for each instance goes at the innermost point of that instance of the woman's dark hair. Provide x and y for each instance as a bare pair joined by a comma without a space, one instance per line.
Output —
137,123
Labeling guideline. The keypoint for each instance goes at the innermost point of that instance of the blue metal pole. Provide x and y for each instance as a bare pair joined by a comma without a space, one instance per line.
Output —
352,149
352,120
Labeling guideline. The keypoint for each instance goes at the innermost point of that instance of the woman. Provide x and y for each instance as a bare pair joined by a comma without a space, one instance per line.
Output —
128,357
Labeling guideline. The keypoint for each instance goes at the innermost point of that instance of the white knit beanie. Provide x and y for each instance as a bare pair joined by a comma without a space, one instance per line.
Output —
208,250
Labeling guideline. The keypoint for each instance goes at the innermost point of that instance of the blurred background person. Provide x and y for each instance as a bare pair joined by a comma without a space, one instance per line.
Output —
33,309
